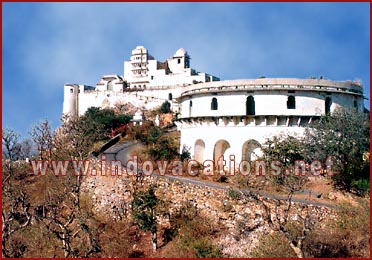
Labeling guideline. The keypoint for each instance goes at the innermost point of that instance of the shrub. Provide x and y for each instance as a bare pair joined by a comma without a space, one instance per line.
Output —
234,194
192,235
164,149
361,186
185,155
204,249
165,108
273,245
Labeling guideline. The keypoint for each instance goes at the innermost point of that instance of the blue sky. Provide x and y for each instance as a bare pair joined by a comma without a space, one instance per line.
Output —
46,45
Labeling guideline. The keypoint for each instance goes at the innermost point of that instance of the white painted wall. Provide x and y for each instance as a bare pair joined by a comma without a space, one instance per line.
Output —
270,97
147,99
179,74
266,103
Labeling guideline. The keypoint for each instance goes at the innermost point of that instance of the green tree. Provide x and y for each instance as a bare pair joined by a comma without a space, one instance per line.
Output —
107,119
76,137
160,145
287,150
144,212
344,135
153,135
165,107
164,149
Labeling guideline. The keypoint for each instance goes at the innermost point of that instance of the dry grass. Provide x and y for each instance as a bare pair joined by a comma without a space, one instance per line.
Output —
191,235
346,236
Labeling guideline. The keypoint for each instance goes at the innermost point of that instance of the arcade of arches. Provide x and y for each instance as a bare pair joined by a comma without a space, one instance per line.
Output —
250,150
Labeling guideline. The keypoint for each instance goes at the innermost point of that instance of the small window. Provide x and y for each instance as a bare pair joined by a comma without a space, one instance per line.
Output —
110,86
190,108
170,96
250,106
328,104
71,90
178,61
214,104
152,77
291,102
355,104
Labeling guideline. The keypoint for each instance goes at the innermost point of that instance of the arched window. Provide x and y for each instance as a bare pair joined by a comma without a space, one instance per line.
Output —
291,102
170,96
214,104
355,104
328,103
250,106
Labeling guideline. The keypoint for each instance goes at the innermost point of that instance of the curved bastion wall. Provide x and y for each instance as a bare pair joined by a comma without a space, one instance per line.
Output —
235,117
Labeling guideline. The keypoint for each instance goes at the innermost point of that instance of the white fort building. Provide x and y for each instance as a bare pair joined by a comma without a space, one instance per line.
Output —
231,117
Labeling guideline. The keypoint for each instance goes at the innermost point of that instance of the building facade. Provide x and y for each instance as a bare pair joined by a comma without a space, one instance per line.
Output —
233,118
142,71
217,118
146,84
